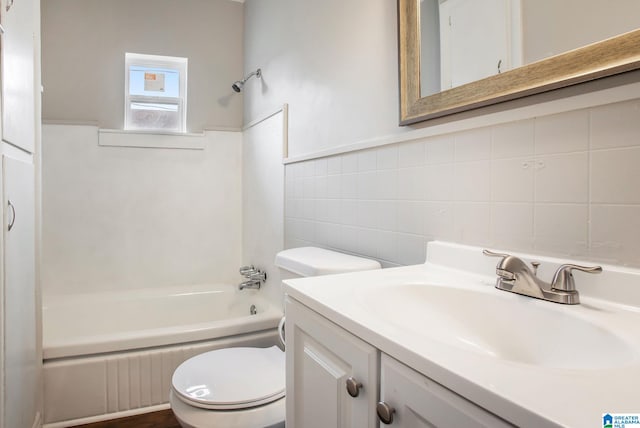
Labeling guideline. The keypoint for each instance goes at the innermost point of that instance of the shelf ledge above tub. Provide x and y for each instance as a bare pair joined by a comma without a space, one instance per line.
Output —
151,139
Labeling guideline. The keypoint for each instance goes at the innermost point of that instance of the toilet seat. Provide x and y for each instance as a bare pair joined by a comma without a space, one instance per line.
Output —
231,378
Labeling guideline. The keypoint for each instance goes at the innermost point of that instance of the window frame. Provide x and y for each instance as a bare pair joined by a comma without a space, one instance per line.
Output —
156,61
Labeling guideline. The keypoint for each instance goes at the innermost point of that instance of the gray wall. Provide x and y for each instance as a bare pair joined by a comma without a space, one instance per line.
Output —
83,47
333,61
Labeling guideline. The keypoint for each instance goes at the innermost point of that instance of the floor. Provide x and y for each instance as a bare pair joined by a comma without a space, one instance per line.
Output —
161,419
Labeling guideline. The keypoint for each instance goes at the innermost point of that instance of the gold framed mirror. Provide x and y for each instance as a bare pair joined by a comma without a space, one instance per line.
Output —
614,55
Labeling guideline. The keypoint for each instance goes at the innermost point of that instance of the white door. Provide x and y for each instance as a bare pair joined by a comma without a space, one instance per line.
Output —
18,83
419,402
479,38
321,359
20,371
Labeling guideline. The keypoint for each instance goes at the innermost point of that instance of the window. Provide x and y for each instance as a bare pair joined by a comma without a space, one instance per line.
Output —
155,93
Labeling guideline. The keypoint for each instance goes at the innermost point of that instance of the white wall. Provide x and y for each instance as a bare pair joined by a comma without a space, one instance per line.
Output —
553,173
263,200
83,47
122,218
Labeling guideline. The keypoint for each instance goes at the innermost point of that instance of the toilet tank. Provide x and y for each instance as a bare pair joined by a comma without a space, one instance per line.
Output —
313,261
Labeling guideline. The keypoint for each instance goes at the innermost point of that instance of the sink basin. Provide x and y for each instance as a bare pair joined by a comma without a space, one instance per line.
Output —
507,327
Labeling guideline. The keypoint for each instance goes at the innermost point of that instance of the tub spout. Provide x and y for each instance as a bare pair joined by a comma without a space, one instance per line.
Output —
252,283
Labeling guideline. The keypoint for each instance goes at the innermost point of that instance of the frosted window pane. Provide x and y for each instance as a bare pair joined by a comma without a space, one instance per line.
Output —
154,116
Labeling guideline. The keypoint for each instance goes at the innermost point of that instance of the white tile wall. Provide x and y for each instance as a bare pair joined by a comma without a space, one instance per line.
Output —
121,218
565,184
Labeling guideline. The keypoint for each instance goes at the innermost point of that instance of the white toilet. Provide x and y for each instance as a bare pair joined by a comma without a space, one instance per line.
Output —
245,387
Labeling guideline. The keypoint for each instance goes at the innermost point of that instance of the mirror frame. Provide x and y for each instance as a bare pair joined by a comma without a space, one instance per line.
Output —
611,56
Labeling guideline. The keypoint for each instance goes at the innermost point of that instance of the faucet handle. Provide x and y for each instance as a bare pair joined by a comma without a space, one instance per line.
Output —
503,269
563,278
244,270
494,254
258,276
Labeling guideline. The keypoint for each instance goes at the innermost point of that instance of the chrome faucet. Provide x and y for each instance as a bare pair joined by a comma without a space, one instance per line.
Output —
514,275
255,277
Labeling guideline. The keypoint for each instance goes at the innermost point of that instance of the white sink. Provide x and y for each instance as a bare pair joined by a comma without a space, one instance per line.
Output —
505,326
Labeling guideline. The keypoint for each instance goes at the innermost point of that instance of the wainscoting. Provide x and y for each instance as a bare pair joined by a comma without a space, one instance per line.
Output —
562,185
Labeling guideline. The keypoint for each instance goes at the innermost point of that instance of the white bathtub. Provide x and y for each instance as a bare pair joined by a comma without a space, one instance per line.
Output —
112,354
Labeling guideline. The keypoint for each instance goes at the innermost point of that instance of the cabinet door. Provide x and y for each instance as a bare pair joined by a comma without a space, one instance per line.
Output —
420,402
20,374
18,83
321,358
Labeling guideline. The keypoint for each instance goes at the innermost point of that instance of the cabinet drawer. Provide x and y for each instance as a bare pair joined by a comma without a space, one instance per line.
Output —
420,402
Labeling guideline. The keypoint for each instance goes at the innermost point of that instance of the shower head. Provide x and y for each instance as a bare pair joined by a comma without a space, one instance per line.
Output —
239,84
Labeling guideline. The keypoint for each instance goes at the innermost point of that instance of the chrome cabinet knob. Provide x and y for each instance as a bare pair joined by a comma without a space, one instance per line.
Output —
385,412
353,387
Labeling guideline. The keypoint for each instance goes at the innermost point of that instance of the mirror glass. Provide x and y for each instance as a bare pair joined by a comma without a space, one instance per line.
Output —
534,46
462,41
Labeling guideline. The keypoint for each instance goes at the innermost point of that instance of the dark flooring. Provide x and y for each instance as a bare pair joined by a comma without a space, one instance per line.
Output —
161,419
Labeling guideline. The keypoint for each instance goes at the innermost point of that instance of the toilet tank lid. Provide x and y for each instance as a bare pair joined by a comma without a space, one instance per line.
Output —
313,261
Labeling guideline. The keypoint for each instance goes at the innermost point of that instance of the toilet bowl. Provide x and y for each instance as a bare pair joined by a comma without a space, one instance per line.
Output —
245,387
231,388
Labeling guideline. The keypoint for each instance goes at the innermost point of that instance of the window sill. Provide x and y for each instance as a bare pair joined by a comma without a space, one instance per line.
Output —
151,139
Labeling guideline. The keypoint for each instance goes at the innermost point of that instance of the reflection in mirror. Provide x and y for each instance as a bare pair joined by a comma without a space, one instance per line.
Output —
545,49
462,41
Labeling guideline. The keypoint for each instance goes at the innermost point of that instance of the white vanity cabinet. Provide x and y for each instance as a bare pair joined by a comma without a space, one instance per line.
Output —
414,401
323,360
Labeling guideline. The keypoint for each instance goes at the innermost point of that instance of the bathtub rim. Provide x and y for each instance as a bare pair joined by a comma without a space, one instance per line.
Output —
133,342
86,345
